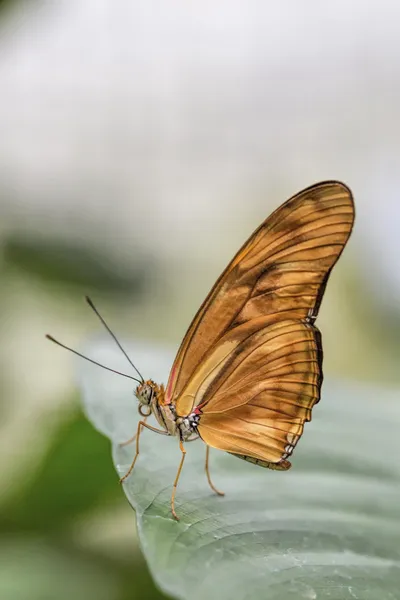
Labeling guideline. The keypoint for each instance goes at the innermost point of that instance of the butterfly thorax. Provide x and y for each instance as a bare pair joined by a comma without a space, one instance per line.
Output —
152,395
183,427
187,426
165,415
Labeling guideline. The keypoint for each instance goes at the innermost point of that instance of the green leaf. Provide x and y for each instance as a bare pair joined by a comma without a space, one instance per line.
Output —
329,528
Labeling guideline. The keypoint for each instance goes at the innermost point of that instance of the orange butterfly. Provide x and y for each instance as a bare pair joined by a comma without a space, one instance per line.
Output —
249,369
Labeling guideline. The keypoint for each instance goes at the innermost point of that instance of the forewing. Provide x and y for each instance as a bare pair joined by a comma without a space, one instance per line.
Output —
257,405
279,274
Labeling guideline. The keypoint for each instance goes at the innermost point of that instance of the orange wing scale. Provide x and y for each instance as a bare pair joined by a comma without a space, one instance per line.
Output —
251,360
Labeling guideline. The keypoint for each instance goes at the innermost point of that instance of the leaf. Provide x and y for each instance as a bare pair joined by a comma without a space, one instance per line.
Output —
329,528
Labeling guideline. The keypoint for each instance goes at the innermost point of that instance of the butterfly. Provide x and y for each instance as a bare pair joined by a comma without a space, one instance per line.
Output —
249,369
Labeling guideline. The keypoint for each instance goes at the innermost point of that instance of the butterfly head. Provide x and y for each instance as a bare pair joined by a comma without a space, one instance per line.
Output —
146,393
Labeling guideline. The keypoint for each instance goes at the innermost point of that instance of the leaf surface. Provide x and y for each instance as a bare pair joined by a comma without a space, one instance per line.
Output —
328,528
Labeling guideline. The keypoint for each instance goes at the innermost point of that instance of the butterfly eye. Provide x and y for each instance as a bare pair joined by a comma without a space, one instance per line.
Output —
144,394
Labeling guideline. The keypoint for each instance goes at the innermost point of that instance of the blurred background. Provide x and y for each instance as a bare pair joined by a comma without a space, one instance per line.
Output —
140,144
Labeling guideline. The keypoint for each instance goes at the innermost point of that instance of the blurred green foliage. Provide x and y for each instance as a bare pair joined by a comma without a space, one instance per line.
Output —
41,555
61,262
5,3
74,477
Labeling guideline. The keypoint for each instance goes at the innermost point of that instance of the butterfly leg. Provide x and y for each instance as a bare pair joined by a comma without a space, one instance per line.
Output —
132,439
141,424
182,448
212,486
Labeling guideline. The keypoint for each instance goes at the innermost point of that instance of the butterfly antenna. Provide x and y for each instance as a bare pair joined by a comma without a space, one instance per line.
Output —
92,306
50,337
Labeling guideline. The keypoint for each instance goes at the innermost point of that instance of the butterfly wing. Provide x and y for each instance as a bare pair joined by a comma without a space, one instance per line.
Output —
251,361
257,404
279,274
